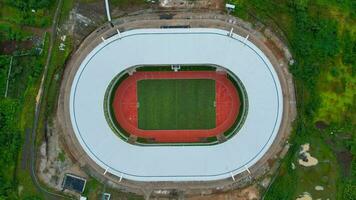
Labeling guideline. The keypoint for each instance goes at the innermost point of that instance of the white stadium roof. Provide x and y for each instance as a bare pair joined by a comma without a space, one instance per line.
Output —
176,46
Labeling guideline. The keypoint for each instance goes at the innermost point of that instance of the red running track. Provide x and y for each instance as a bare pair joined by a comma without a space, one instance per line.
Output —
227,106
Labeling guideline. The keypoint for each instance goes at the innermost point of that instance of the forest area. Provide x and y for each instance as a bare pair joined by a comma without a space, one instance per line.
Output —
322,38
23,51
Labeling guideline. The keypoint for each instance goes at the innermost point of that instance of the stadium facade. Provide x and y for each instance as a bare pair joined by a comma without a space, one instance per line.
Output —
194,46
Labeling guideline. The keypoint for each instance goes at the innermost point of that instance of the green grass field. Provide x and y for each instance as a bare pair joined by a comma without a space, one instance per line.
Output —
176,104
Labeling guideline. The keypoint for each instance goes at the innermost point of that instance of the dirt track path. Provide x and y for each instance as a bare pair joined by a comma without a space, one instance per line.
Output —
32,147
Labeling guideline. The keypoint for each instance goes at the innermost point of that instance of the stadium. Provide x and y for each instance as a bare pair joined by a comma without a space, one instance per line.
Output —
174,101
150,105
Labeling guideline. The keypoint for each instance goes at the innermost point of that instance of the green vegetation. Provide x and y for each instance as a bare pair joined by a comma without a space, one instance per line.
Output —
337,93
54,75
26,67
95,189
10,139
26,44
128,3
4,70
27,12
122,4
176,104
321,36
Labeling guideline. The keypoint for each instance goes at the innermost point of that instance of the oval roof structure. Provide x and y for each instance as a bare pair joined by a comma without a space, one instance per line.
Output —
176,46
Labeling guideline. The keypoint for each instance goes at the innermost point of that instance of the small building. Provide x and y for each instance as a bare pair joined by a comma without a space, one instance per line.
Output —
230,7
106,196
74,183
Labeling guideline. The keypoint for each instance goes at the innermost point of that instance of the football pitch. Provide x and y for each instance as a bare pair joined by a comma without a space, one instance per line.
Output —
176,104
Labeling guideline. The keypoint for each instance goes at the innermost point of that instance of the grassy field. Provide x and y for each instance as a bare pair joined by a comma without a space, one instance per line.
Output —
95,189
176,104
36,15
16,115
4,70
122,4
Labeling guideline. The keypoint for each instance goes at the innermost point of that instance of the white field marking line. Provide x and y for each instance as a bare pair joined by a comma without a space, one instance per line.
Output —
8,77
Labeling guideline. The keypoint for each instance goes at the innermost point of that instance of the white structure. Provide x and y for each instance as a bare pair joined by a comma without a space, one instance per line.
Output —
107,8
166,47
230,7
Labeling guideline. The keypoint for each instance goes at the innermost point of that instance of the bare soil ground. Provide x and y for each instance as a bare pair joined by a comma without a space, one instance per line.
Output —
83,19
86,16
249,193
197,4
344,158
278,53
8,47
343,155
305,196
53,162
305,158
